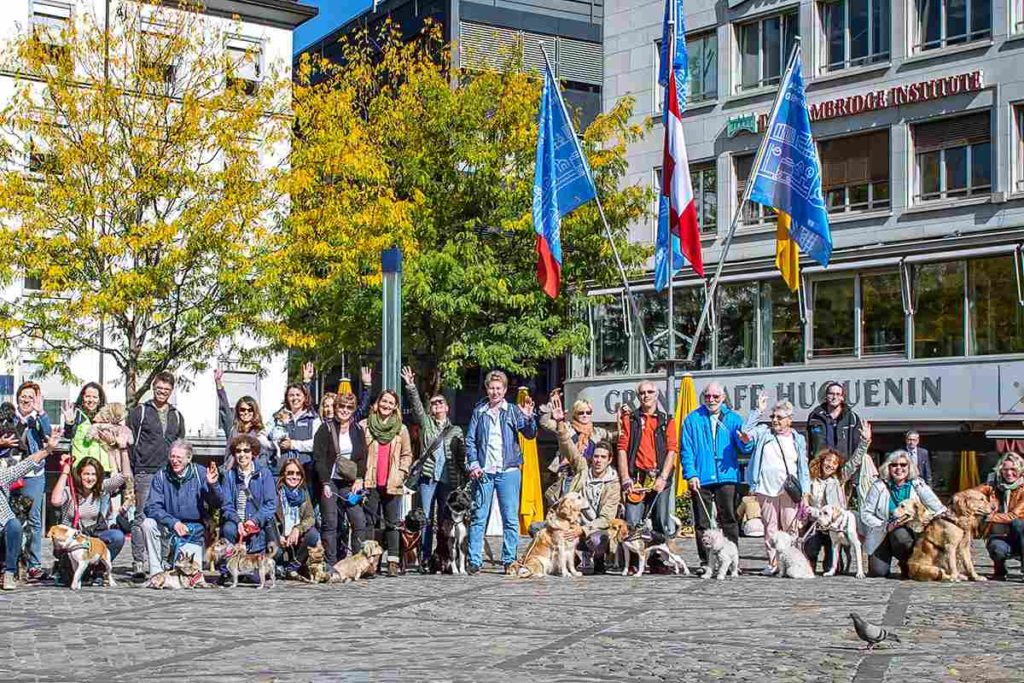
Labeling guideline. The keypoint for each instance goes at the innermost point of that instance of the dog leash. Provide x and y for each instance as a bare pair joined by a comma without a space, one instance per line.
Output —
712,519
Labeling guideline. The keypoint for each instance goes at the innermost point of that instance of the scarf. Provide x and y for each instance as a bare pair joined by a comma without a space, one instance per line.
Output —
899,493
295,496
1003,486
381,430
584,433
431,428
177,480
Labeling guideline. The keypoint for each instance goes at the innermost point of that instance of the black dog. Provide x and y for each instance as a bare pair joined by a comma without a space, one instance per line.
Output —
9,422
411,533
460,508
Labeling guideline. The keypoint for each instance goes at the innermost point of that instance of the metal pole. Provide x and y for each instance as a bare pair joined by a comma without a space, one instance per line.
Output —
670,367
391,320
600,211
794,55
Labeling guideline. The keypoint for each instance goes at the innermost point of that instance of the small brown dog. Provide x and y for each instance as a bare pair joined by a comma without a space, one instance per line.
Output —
82,550
316,565
946,539
362,564
186,573
553,549
241,561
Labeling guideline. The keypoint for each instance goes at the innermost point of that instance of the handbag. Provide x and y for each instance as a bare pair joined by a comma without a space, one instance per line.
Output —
412,480
791,485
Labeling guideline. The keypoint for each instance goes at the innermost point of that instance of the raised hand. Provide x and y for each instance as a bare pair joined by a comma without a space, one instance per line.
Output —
218,377
211,473
865,431
408,376
762,401
65,463
557,409
68,412
528,406
307,372
366,376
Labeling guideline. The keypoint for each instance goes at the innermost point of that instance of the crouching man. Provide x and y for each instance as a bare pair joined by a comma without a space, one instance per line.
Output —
178,500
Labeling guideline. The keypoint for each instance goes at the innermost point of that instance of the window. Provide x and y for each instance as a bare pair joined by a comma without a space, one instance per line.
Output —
954,157
883,323
856,33
782,330
737,307
245,62
941,23
704,178
1018,118
611,344
764,49
753,213
997,319
855,172
939,310
653,306
1016,16
834,302
703,64
31,283
158,60
50,22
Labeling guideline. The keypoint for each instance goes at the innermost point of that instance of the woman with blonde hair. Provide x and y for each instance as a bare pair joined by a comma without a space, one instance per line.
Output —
388,459
584,436
1004,528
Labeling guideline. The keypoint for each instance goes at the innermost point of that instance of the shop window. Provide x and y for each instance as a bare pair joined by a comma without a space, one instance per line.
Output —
689,301
954,157
997,319
938,310
702,55
158,58
834,332
941,23
611,343
856,33
753,213
765,46
737,307
855,172
782,338
883,322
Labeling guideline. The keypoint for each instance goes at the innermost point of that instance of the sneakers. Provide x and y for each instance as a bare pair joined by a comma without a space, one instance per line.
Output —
9,582
473,569
392,569
37,574
140,570
768,571
599,567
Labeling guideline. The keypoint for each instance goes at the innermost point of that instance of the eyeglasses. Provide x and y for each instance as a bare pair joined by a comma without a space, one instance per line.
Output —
713,397
781,417
244,409
901,465
646,392
437,401
835,393
585,412
242,450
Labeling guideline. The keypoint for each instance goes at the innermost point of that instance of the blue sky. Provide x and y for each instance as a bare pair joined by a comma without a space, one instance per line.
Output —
333,13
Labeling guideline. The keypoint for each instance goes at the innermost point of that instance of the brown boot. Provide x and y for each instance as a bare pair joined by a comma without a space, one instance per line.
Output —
392,569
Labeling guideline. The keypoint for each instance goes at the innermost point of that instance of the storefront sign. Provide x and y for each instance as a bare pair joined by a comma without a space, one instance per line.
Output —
743,122
958,392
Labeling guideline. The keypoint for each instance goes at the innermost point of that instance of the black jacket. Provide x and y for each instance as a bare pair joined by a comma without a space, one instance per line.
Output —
847,431
325,449
153,443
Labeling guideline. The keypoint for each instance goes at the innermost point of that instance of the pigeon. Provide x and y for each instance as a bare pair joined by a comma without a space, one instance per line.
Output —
870,633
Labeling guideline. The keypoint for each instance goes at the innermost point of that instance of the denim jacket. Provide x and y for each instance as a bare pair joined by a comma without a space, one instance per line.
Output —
761,436
513,422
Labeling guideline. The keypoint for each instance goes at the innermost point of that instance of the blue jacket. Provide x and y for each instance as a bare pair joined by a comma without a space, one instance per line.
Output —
712,461
37,431
261,503
168,504
513,422
761,436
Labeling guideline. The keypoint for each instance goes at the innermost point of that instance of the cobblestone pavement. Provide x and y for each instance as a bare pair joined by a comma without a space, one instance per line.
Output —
491,627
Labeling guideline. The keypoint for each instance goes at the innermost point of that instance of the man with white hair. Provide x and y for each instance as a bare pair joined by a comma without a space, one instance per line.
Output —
710,445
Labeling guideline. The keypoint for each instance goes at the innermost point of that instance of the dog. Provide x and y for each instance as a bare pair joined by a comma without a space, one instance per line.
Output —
316,565
83,551
553,548
725,554
460,506
410,534
841,526
671,553
441,558
792,561
944,539
186,573
361,565
241,561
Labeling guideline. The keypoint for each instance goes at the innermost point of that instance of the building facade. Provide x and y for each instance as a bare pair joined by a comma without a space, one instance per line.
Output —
918,113
265,25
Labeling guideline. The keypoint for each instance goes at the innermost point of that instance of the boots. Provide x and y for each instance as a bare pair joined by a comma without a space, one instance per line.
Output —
999,573
392,569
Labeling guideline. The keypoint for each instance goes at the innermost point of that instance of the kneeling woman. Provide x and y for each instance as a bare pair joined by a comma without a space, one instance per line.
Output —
1004,528
898,480
83,496
249,496
296,524
388,459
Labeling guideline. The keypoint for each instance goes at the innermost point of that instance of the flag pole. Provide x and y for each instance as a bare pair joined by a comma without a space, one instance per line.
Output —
738,212
600,208
670,366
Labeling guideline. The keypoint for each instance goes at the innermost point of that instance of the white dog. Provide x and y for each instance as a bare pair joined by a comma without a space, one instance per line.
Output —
792,561
841,526
82,551
725,554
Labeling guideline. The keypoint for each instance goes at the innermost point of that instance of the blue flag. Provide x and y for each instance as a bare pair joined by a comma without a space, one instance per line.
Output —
561,182
788,177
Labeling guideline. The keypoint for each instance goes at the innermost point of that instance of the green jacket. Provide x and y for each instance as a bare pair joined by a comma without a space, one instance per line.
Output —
454,443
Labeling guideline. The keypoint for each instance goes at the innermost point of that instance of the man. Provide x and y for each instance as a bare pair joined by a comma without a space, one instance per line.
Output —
833,425
493,461
177,499
711,441
10,527
919,456
646,457
155,425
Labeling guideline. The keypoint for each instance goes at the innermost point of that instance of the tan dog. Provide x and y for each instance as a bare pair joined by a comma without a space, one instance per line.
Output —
316,565
82,550
186,573
553,549
241,561
946,539
361,565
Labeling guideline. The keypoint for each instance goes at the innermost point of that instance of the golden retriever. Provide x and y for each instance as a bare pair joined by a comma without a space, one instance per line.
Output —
942,551
553,549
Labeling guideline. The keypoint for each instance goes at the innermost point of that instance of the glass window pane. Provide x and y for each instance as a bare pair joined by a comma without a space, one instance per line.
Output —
611,346
783,337
858,197
981,18
981,165
710,77
835,33
939,310
929,17
696,67
653,313
956,21
997,320
880,33
858,30
833,317
956,170
688,304
879,195
750,51
790,30
928,167
737,326
709,197
883,320
772,46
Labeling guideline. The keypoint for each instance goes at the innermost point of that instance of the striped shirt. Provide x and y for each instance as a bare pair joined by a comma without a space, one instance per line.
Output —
9,475
89,507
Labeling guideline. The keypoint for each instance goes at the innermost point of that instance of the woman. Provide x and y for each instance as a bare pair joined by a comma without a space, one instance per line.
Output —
327,406
584,436
898,480
779,452
248,496
1005,527
245,419
829,477
388,458
83,496
78,417
299,427
34,421
441,461
296,523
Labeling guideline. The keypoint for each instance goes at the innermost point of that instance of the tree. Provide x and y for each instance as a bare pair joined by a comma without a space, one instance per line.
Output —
139,186
440,162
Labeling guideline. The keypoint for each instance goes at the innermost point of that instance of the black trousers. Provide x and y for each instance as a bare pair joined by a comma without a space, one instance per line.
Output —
723,497
389,509
330,510
815,543
898,544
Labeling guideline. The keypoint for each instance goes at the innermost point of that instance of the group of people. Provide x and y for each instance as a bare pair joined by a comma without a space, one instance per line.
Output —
334,475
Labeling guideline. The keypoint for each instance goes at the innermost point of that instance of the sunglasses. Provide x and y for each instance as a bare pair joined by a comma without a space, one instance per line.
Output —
585,412
348,408
647,392
437,402
243,450
901,465
292,473
781,417
713,397
244,410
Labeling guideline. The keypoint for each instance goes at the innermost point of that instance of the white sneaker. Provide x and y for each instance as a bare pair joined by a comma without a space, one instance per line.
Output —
768,571
9,582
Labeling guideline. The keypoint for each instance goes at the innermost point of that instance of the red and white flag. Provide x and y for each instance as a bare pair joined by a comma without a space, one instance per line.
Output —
676,185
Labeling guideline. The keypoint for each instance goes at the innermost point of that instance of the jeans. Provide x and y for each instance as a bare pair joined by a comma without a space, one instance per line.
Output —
140,544
1006,546
389,507
433,496
255,543
150,535
508,485
898,543
33,490
723,497
660,522
330,509
12,545
114,540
